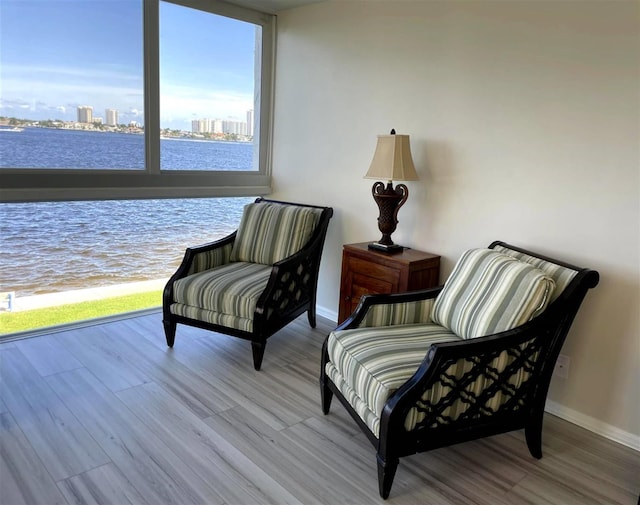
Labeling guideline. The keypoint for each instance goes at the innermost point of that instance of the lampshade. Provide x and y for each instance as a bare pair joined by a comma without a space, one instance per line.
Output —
392,160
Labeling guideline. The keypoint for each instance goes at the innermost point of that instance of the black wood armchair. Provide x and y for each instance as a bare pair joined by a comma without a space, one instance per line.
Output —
255,281
428,369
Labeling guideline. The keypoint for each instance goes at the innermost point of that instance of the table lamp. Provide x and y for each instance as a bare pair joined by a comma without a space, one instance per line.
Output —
391,161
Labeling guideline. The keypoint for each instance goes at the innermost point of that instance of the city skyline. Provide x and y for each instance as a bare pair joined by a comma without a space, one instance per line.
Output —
84,114
206,61
218,125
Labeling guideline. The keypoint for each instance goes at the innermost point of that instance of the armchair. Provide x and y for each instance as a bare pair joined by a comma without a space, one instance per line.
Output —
256,280
474,358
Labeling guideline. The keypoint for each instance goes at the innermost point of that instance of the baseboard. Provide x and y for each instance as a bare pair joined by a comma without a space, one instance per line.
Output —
594,425
331,315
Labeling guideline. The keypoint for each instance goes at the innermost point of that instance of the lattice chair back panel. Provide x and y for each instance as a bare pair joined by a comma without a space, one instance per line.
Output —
481,386
293,287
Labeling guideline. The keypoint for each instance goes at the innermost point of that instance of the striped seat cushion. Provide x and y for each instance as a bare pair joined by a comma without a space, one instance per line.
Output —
489,292
369,364
231,289
270,232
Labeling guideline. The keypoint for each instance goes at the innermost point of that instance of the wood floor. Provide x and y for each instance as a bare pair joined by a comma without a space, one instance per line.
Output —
108,414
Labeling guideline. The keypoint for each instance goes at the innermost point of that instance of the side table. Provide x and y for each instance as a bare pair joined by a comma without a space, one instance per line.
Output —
366,271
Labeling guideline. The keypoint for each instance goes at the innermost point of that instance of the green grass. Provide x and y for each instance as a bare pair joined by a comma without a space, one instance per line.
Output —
13,322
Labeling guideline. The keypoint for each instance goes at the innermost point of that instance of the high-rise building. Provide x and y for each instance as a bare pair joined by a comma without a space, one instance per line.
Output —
217,126
112,117
232,127
250,122
85,114
201,125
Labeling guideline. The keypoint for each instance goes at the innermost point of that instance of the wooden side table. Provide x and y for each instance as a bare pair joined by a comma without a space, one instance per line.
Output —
366,271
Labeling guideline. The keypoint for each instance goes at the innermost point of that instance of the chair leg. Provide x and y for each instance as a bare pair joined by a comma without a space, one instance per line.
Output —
533,435
311,315
386,473
258,353
170,331
326,396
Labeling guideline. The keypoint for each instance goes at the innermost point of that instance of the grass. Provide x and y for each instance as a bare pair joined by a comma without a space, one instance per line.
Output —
13,322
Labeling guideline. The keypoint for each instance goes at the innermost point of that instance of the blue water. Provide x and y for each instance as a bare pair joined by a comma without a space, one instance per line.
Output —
51,148
49,247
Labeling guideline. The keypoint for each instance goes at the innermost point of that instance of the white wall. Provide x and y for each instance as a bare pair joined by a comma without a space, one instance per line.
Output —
525,123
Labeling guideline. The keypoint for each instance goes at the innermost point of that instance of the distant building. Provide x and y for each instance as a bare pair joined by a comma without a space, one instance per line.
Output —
112,117
85,114
236,127
219,126
97,120
201,125
250,122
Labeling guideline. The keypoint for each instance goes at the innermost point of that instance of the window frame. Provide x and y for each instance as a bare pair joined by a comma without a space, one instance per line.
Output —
30,184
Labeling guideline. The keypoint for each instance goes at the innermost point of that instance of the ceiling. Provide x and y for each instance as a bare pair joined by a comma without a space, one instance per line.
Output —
272,6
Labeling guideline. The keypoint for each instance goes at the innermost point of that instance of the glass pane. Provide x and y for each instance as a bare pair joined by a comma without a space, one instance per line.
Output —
207,90
60,259
71,84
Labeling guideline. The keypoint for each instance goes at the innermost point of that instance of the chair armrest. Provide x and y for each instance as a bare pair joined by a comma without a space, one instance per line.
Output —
198,259
392,309
467,382
208,256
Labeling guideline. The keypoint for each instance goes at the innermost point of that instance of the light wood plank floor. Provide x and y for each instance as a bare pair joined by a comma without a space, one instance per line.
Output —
108,414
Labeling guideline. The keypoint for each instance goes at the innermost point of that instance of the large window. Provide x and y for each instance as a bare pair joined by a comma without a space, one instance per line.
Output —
133,99
118,120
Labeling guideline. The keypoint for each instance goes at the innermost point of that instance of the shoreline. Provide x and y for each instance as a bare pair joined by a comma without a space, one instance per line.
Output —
20,304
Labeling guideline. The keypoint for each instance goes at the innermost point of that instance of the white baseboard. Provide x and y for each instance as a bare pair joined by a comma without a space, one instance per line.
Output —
573,416
594,425
332,315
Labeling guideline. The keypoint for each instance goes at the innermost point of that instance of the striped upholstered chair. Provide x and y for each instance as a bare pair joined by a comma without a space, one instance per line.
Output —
474,358
253,282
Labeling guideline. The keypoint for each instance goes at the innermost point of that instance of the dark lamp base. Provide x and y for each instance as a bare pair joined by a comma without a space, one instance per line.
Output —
390,249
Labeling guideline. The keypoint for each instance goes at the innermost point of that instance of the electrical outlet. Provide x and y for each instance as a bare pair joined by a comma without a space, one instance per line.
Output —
562,367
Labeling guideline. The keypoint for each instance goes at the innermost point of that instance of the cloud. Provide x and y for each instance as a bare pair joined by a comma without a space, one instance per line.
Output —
184,103
35,89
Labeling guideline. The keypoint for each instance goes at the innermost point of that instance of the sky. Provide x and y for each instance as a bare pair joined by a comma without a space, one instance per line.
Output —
56,55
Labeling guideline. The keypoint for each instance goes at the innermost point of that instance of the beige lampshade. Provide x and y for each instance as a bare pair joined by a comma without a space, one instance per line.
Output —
392,160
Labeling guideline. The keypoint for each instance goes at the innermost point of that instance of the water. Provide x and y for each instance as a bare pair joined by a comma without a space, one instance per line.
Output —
49,247
50,148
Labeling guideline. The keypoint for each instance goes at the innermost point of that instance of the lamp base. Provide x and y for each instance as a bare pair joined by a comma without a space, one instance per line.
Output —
389,249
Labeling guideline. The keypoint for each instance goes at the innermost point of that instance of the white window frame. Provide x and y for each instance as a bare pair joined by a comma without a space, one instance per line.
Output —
30,184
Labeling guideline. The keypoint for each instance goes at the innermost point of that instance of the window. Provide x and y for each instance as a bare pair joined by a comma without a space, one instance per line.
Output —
138,99
207,90
60,92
